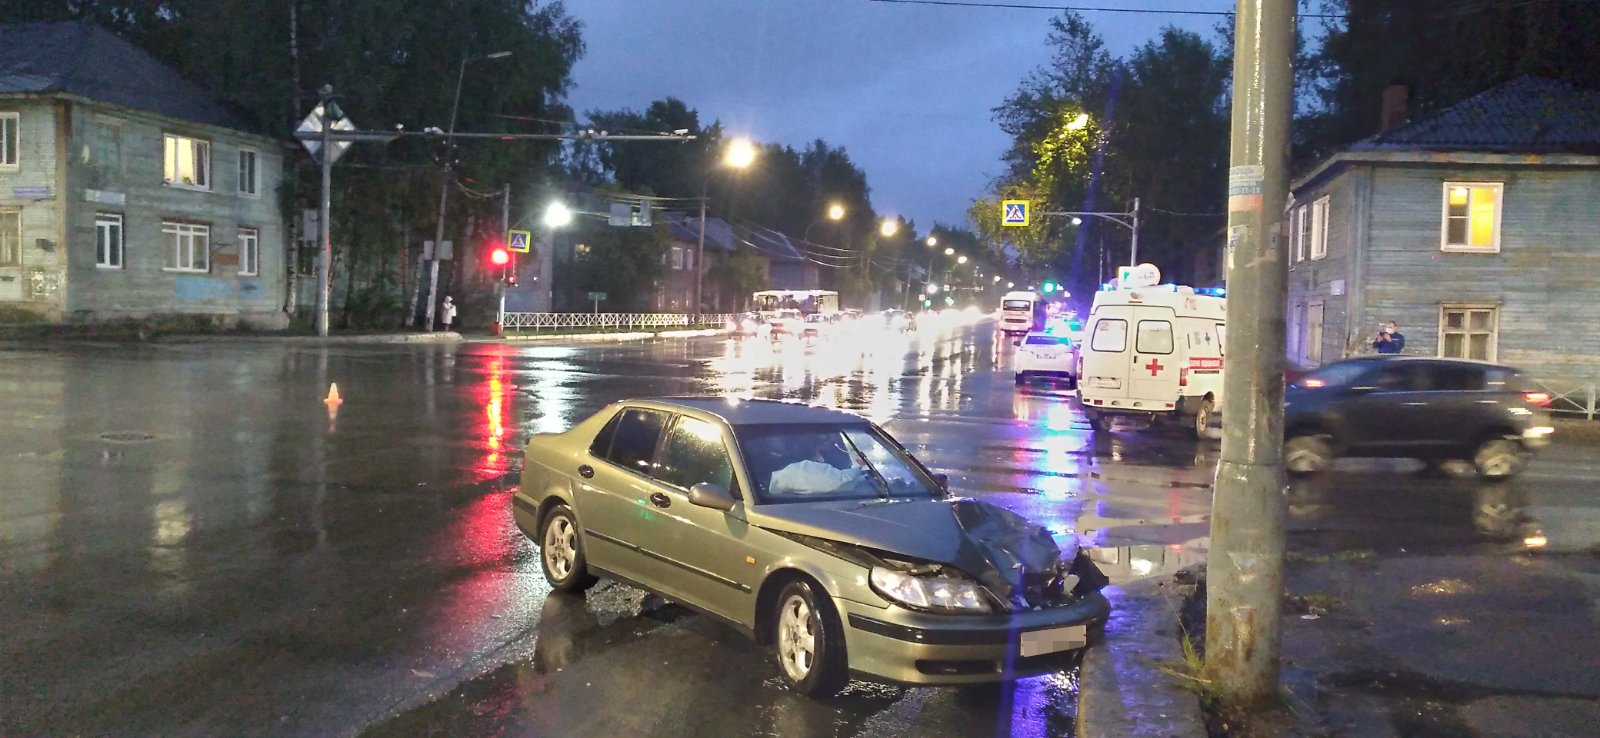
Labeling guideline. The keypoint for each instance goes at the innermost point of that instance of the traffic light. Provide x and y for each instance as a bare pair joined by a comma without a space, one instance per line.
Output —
1049,287
499,256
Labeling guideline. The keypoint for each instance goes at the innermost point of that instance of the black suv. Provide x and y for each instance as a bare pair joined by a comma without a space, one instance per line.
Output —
1436,410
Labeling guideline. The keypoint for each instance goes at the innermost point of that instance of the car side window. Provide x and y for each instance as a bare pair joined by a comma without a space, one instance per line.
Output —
634,445
1406,378
601,447
695,453
1458,378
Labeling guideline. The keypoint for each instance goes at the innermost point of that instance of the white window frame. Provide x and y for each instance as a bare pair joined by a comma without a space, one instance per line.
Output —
1444,217
16,261
11,141
1466,330
1300,233
250,187
677,259
249,251
1320,211
169,144
110,237
173,236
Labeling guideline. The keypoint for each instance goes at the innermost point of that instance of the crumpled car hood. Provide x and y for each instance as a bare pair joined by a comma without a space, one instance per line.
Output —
1012,556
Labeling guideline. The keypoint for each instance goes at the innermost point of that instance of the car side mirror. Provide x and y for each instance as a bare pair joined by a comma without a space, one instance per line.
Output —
1016,343
714,496
943,480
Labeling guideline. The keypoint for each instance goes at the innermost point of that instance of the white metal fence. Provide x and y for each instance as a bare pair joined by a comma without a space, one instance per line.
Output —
612,321
1572,396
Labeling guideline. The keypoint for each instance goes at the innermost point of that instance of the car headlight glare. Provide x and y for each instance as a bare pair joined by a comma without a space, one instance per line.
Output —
929,593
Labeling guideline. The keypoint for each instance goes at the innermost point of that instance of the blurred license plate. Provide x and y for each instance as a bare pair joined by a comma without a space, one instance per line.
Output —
1048,355
1104,383
1041,642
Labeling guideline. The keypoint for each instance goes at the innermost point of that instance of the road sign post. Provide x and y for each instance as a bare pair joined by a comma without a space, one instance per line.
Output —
1244,581
597,297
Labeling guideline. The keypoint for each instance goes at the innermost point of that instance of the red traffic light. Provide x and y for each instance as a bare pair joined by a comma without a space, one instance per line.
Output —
499,257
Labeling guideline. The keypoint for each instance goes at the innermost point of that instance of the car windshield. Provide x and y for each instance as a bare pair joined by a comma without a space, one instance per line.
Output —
1334,375
1036,339
808,463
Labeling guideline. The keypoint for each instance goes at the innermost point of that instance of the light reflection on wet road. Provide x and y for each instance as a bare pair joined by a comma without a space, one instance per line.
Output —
193,543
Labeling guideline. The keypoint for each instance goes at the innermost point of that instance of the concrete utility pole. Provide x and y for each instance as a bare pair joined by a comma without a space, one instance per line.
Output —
1244,582
325,259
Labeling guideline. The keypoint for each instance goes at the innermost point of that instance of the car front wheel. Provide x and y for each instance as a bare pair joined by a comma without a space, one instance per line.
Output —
1499,458
561,552
1307,455
809,641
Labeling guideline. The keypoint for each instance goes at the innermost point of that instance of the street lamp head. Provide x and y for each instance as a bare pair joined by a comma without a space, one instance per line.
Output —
1011,285
933,241
961,260
557,215
1079,123
997,279
949,251
741,153
1076,220
889,228
836,212
933,289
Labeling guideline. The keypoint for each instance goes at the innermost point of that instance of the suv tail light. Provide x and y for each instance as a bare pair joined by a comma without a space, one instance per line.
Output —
1537,398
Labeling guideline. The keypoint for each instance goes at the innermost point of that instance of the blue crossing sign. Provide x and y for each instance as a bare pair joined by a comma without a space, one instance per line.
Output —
518,241
1014,213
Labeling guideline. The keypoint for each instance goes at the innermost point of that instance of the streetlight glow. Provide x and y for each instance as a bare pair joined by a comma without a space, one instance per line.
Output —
1079,123
836,212
933,289
961,260
557,215
1011,285
740,154
1076,220
949,251
932,241
889,228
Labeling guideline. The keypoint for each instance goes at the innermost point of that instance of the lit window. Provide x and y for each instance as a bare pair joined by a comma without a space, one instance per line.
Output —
1472,216
1319,228
1469,332
249,252
188,162
108,240
10,123
10,238
249,176
677,258
187,246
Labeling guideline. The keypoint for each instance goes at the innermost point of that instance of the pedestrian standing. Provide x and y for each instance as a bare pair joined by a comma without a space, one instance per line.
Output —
448,311
1390,340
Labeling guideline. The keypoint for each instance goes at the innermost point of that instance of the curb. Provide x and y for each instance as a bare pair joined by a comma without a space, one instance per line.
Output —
1123,692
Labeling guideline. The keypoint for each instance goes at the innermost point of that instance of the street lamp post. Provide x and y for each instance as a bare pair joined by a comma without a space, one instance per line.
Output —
444,186
1128,220
740,155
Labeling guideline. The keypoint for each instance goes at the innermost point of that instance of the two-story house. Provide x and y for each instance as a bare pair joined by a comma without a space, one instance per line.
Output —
127,191
1477,230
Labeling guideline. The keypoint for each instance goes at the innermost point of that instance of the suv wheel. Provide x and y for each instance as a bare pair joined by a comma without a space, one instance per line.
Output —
1307,454
1499,458
1099,422
809,641
561,552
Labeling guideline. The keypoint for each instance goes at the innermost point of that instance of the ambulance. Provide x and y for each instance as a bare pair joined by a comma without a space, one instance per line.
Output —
1153,352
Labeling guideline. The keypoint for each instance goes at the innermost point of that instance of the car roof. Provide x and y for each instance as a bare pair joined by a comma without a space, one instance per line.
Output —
736,412
1418,359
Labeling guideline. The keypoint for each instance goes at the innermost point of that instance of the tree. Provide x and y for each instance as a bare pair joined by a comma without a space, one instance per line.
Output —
624,263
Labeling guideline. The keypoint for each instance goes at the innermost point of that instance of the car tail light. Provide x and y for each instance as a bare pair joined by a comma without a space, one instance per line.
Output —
1538,399
1183,377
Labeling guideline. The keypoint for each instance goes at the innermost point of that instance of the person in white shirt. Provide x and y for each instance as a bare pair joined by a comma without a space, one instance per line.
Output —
448,312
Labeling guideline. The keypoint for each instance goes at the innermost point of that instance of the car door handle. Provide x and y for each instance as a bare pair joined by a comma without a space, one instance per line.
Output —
660,500
1415,404
586,471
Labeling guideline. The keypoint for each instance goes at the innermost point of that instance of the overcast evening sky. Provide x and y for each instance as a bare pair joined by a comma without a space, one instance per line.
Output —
906,89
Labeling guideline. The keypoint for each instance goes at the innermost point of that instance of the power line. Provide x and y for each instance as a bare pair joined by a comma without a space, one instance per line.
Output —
1083,8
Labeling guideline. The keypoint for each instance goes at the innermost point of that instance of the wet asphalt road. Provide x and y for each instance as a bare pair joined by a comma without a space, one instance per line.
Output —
192,543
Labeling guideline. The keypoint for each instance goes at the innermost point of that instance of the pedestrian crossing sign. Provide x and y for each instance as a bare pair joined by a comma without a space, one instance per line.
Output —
1014,213
518,241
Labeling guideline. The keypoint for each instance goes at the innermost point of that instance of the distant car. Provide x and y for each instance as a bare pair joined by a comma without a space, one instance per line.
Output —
899,320
815,533
746,324
815,326
1046,356
785,322
1436,410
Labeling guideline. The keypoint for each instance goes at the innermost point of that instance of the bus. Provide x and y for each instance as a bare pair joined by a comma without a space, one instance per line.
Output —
808,302
1020,313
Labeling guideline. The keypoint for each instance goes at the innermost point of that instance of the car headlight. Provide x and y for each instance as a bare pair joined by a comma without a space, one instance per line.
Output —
929,592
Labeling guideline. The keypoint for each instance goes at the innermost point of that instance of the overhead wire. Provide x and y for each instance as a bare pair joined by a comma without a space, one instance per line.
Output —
1083,8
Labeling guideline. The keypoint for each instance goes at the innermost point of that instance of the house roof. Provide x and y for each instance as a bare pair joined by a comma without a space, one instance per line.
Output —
1528,115
85,60
684,227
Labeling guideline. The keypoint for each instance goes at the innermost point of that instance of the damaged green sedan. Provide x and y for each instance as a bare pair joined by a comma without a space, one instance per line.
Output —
810,530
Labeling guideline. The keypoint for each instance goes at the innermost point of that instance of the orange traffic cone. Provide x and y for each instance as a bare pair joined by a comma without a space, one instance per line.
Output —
333,394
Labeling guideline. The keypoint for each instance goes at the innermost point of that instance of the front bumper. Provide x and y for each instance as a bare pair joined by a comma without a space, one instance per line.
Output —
905,646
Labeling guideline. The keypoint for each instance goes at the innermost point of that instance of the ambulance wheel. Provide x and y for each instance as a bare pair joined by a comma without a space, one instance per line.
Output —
1100,423
1202,419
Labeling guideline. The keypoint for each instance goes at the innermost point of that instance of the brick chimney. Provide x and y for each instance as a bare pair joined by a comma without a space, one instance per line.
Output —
1396,107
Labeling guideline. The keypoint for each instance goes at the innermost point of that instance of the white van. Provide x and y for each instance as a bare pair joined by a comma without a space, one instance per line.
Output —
1017,313
1154,353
